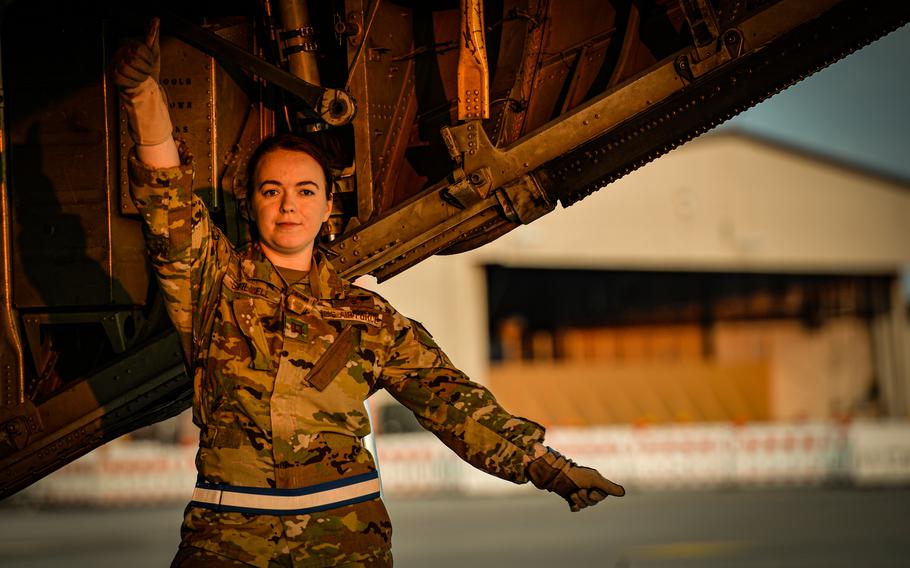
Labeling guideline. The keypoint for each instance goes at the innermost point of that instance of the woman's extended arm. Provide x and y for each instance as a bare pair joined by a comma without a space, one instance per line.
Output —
469,420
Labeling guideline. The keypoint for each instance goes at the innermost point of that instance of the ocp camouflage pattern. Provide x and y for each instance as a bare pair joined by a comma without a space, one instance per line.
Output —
281,373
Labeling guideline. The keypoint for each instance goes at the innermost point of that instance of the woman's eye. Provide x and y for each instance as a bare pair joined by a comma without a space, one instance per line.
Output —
269,192
307,192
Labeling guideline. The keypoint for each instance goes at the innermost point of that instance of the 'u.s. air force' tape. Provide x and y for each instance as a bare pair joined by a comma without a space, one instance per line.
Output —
268,501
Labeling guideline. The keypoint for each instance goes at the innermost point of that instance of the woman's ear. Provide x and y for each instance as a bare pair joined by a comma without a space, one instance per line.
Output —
328,208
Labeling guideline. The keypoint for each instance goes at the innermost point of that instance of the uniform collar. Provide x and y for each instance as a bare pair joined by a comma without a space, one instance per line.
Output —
324,281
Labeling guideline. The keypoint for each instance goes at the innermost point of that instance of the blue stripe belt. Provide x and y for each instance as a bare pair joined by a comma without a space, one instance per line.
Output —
268,501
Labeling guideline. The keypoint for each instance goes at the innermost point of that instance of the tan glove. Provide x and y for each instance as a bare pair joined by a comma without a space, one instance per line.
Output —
580,486
136,69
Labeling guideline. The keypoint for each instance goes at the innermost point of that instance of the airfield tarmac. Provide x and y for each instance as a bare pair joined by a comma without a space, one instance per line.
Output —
806,528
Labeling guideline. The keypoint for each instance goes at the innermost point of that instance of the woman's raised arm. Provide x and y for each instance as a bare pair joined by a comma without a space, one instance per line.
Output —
136,69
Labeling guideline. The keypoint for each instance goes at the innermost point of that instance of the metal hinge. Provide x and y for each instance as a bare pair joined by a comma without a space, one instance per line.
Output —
25,422
712,48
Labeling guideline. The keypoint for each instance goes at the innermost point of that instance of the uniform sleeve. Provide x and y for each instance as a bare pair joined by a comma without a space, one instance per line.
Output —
184,248
461,413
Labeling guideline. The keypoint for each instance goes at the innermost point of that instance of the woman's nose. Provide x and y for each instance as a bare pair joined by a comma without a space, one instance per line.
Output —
287,204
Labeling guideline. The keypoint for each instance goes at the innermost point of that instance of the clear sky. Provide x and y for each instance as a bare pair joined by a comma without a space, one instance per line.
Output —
857,110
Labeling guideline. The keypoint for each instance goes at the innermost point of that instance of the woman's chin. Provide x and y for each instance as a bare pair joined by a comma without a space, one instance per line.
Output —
287,247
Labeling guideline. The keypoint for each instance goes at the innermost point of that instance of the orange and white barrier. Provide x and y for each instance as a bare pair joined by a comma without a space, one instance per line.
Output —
122,472
652,457
683,456
879,453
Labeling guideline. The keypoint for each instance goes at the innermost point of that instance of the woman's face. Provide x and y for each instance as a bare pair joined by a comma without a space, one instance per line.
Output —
288,203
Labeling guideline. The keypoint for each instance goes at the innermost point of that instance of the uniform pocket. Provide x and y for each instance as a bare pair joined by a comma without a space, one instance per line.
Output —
247,318
224,436
334,359
327,396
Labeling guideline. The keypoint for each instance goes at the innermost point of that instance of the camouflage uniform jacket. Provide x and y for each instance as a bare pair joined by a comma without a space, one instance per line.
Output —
281,374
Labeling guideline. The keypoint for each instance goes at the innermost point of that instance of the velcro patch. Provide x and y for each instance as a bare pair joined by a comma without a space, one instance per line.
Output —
259,290
369,317
295,328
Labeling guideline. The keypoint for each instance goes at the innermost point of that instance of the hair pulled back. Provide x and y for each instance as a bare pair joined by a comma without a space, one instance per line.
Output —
293,143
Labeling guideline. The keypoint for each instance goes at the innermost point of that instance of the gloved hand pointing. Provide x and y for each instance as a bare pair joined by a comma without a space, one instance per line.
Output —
580,486
135,72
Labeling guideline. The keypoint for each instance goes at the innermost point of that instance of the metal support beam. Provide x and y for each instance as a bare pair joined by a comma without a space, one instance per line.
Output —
473,69
298,40
554,162
471,148
12,379
334,106
139,389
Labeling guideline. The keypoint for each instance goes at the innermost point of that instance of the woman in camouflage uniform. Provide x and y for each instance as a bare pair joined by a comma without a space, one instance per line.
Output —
283,353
